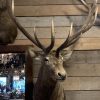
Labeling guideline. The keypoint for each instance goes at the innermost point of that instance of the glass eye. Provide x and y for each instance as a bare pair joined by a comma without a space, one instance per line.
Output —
46,59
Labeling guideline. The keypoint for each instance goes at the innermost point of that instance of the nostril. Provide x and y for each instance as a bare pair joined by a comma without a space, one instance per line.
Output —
59,74
63,77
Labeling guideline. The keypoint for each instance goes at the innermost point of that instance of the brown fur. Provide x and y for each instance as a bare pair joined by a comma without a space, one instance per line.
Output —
8,30
48,89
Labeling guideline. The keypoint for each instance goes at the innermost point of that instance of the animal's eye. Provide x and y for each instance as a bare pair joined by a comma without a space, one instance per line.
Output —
46,59
55,63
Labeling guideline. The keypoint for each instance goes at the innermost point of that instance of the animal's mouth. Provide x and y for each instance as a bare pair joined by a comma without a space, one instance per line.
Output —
62,78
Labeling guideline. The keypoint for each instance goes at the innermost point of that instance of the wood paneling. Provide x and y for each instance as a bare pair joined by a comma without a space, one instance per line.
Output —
60,32
13,49
48,2
44,23
82,95
62,21
43,30
50,10
85,57
81,83
83,43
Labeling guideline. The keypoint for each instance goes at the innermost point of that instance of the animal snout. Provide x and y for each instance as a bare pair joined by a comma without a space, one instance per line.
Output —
61,76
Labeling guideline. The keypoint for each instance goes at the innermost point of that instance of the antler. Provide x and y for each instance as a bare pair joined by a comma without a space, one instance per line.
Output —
35,41
86,26
48,49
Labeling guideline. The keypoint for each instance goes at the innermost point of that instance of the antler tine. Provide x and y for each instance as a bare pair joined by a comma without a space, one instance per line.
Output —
85,29
48,49
85,3
38,42
66,42
88,23
92,21
89,26
92,10
86,26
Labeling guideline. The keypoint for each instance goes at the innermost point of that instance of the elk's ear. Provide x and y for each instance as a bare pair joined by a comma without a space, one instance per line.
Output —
31,52
66,55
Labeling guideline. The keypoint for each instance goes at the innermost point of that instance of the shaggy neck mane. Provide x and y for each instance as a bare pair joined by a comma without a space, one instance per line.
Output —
44,85
46,88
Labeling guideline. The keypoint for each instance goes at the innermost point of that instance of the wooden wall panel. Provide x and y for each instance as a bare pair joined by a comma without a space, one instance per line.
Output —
13,49
82,44
85,57
82,95
60,32
81,70
82,83
45,10
50,10
48,2
46,21
60,21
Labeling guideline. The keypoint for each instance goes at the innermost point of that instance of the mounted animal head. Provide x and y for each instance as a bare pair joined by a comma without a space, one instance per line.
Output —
8,29
53,62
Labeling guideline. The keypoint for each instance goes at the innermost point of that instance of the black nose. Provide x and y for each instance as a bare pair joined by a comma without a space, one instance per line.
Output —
62,77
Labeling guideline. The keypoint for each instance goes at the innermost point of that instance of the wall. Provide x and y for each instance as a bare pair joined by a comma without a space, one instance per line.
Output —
83,82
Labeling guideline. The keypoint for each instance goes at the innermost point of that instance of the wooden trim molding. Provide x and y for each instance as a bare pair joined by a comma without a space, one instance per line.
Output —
13,48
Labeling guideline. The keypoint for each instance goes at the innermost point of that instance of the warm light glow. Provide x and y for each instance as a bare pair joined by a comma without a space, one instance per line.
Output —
16,71
22,71
2,56
16,78
13,6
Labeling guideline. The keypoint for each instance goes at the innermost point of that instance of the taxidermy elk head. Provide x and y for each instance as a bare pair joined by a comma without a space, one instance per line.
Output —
8,29
47,86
